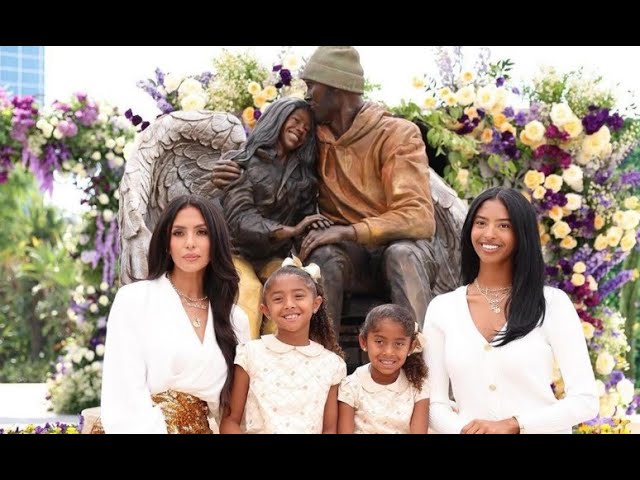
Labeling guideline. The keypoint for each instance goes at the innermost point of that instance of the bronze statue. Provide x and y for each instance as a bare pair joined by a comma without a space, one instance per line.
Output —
375,186
396,223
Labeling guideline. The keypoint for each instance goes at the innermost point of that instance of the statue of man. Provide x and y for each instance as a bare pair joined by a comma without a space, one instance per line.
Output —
373,184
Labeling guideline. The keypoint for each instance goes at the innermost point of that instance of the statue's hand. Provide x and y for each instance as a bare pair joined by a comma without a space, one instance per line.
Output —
315,222
333,234
225,172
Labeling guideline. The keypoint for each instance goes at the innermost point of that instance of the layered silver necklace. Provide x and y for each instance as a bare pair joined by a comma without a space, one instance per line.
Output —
493,296
198,303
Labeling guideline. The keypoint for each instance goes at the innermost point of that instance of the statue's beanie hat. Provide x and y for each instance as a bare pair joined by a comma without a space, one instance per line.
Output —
337,67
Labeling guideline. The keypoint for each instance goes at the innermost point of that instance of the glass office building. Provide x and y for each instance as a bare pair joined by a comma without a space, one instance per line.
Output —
22,70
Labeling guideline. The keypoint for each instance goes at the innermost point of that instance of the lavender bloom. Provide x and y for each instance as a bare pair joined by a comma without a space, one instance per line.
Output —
205,78
164,105
159,76
616,283
630,179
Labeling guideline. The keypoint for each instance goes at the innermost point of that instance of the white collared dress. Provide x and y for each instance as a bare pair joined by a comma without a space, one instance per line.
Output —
288,385
380,408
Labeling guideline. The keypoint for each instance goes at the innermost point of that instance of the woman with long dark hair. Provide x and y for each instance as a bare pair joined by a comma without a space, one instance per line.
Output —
171,339
274,200
497,338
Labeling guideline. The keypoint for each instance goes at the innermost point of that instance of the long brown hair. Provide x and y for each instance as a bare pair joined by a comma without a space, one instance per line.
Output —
220,282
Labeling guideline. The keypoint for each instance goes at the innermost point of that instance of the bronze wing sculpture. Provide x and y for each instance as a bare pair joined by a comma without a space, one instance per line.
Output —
450,212
174,156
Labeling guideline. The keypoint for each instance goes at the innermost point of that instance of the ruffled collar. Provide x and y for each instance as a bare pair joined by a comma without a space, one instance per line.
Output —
364,376
272,343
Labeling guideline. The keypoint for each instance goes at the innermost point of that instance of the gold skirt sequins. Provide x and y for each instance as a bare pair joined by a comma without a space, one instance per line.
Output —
183,413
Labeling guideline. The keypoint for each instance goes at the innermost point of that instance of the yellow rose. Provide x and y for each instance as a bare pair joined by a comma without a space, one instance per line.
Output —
593,285
579,267
254,88
467,77
553,182
598,222
555,213
444,92
560,229
271,92
628,242
569,243
600,243
573,127
499,119
534,131
577,279
614,234
631,203
539,192
260,99
429,103
544,239
247,116
588,330
487,136
471,112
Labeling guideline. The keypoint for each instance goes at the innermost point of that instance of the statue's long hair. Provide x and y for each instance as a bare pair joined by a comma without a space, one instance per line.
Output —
526,305
220,281
269,126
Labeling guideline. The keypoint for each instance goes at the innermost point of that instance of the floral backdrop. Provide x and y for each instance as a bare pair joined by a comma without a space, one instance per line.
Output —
561,139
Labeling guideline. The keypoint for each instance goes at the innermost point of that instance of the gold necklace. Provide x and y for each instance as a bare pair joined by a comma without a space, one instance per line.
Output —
191,302
493,296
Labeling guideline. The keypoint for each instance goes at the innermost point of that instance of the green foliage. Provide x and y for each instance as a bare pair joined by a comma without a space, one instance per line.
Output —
233,73
36,273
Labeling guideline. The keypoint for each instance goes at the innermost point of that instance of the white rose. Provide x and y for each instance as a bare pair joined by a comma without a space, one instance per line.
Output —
190,86
605,363
574,201
172,82
193,102
103,198
89,355
107,215
110,143
560,114
100,349
103,300
91,290
93,308
573,177
104,286
626,390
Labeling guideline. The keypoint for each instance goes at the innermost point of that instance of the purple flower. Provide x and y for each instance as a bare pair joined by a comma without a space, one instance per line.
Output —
67,128
499,81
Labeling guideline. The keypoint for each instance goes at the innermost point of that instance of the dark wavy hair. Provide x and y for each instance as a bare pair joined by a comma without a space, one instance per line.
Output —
220,282
414,367
526,305
321,326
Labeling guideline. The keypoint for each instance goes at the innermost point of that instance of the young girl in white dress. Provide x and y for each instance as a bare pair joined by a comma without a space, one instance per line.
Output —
288,382
390,394
495,340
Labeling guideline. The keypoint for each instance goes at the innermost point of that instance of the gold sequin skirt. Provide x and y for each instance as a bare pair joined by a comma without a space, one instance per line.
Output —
183,413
